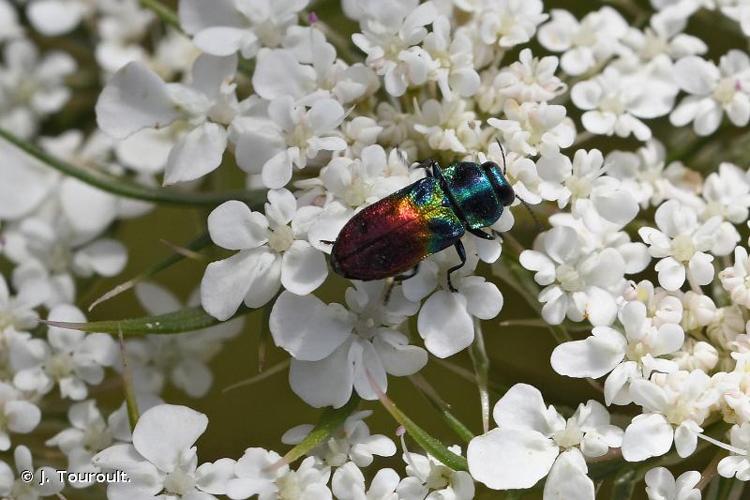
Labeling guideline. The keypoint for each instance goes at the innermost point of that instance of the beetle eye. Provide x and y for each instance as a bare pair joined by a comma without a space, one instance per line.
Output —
506,194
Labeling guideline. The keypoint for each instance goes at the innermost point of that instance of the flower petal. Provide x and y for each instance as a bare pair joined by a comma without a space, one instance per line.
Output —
506,459
307,328
134,98
196,154
165,432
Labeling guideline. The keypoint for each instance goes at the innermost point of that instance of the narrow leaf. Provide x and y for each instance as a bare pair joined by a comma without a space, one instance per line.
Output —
185,320
329,423
126,188
198,243
131,402
428,443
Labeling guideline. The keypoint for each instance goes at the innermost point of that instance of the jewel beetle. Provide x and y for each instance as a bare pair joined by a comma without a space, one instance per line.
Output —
391,236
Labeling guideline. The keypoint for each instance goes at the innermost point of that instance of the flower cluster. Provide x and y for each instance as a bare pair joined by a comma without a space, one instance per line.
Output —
616,132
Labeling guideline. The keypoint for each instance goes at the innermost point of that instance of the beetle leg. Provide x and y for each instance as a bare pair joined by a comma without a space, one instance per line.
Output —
327,242
391,283
461,255
481,234
410,274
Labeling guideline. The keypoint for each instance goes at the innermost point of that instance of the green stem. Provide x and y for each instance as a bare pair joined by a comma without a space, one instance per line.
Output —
432,397
167,15
428,443
481,361
329,423
128,189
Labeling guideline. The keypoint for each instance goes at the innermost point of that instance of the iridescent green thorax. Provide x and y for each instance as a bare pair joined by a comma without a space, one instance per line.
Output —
473,192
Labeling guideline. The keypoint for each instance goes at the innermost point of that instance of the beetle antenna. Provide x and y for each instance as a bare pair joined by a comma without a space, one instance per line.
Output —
402,156
502,150
539,226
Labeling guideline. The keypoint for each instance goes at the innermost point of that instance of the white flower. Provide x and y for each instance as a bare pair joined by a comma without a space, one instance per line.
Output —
90,433
12,487
674,407
16,414
454,71
597,234
120,25
136,98
584,179
31,87
336,350
727,193
532,441
446,319
448,125
366,179
88,210
223,27
643,173
390,37
308,67
584,44
183,359
698,310
429,479
287,136
260,472
273,251
681,242
57,17
661,485
351,444
9,25
664,36
17,312
534,128
615,103
696,355
713,91
725,325
509,22
28,183
738,464
576,284
69,358
608,350
530,79
162,459
735,279
348,483
738,10
661,307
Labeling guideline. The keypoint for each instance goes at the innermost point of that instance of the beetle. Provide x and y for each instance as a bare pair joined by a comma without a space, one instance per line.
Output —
391,236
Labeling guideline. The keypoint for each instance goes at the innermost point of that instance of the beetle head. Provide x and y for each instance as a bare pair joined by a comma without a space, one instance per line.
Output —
500,184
